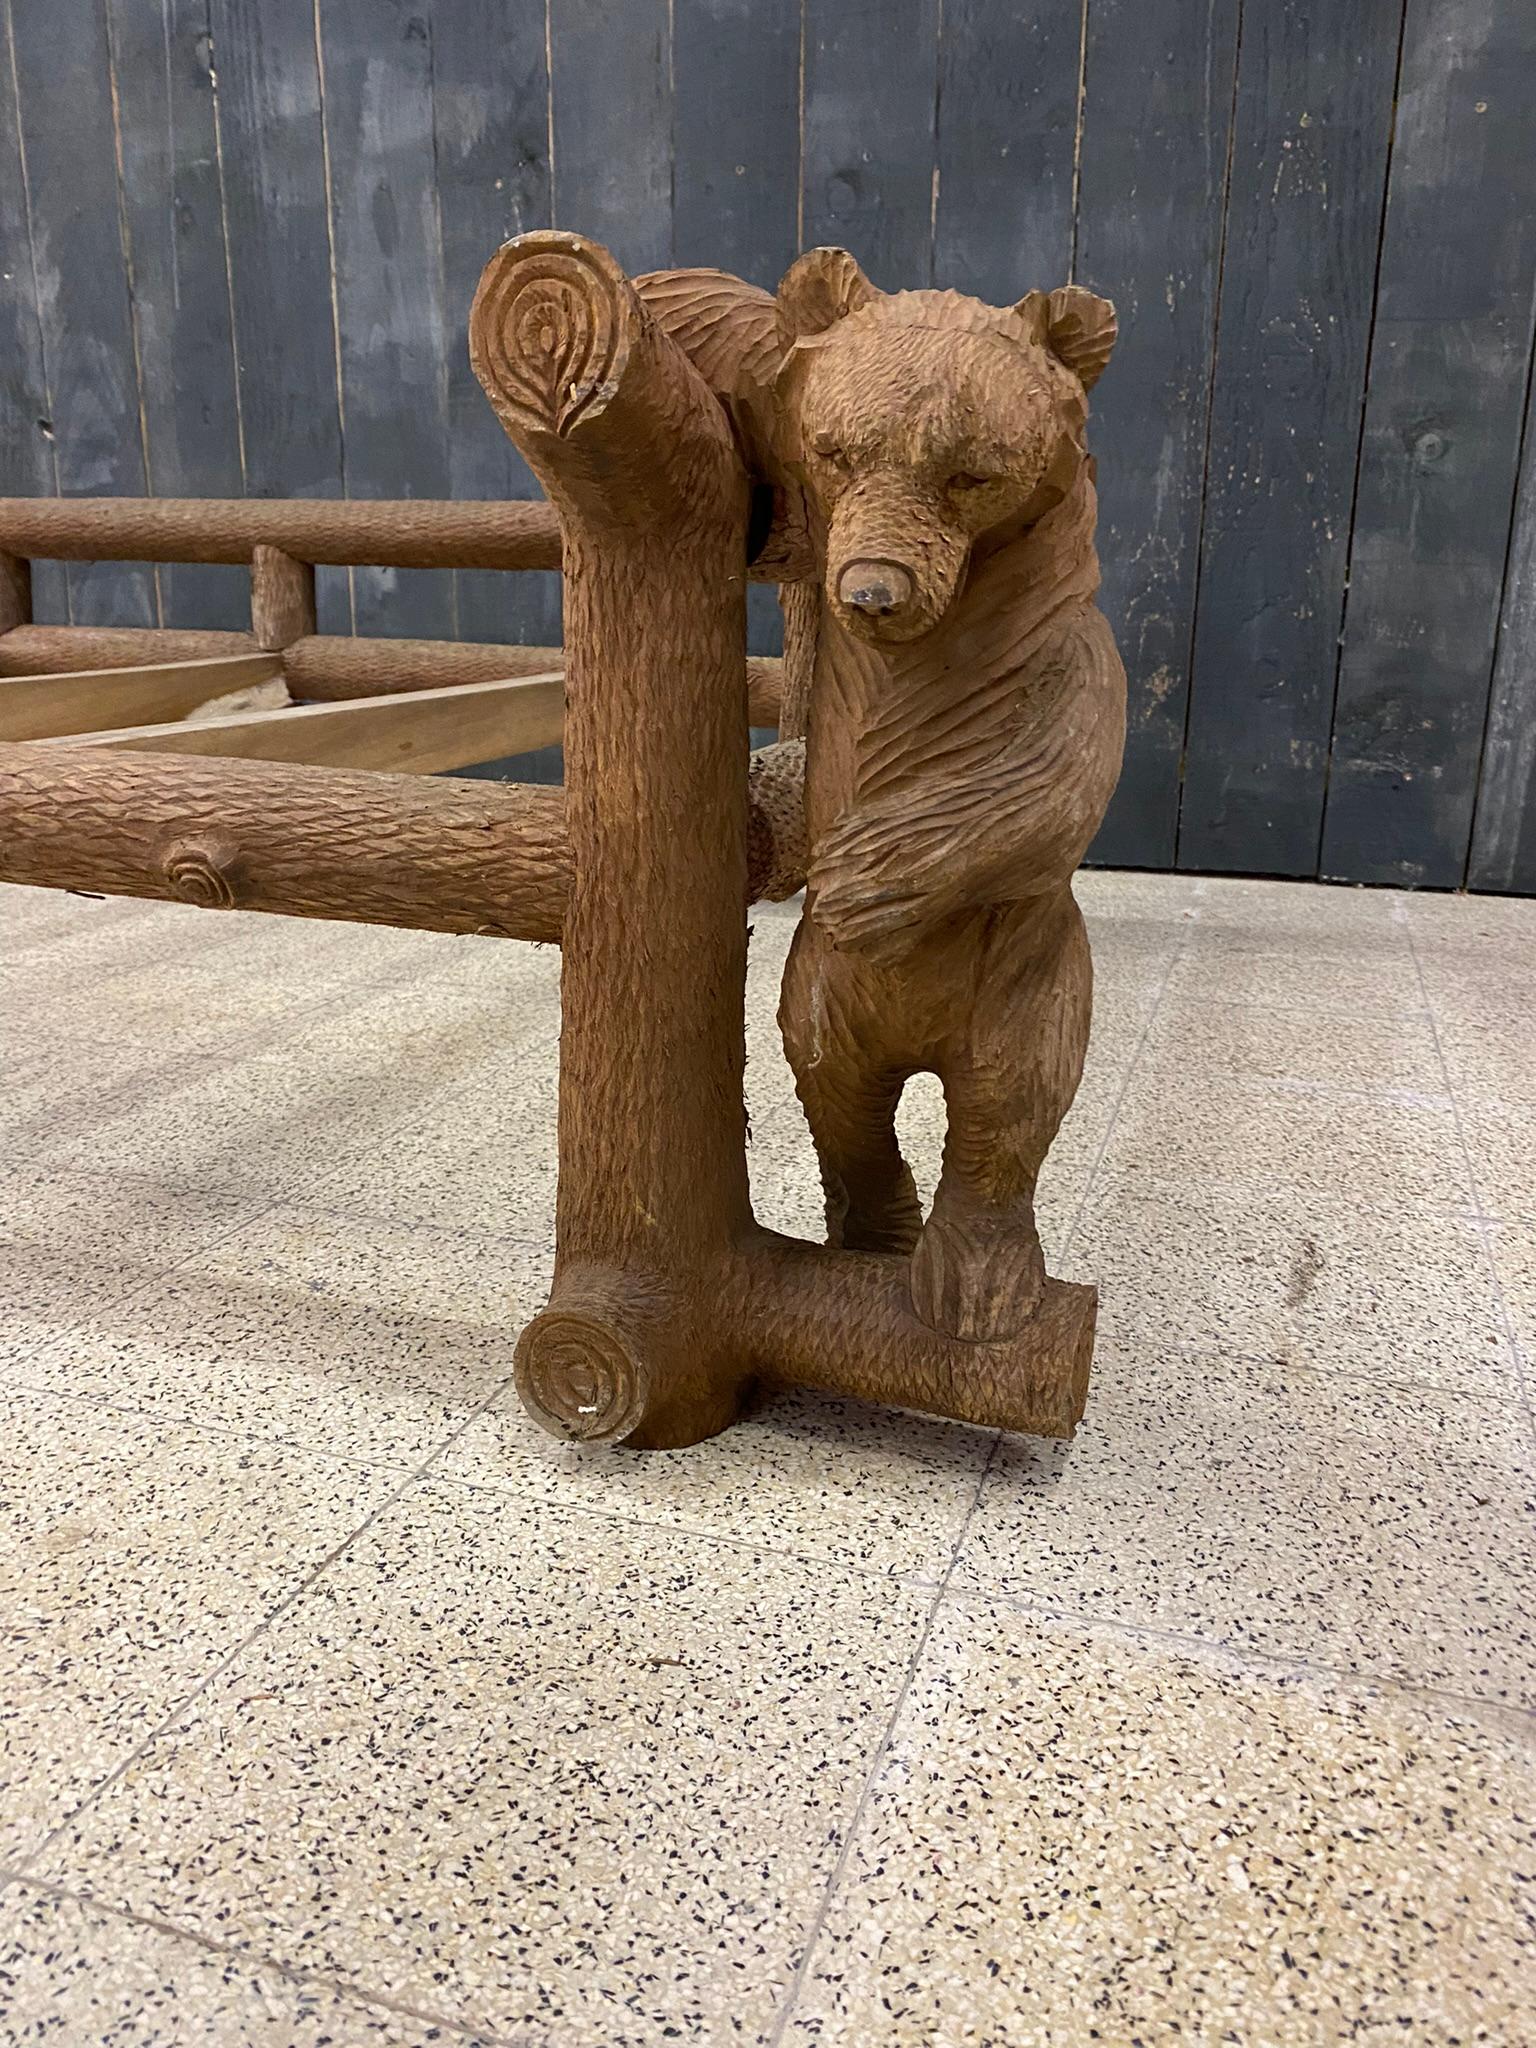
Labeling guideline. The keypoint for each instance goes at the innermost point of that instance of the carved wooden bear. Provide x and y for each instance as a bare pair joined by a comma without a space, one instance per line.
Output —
965,724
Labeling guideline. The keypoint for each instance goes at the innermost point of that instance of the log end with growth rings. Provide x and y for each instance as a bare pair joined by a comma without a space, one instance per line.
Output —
578,1379
202,871
549,331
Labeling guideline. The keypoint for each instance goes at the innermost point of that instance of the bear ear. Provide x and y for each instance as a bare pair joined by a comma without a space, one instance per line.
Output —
820,288
1077,326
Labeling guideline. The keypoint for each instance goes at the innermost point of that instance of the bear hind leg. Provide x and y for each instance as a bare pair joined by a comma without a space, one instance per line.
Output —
978,1270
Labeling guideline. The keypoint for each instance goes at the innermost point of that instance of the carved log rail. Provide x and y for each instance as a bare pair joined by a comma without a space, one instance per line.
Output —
434,854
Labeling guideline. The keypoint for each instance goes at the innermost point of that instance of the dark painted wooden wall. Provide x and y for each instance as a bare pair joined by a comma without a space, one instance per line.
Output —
238,239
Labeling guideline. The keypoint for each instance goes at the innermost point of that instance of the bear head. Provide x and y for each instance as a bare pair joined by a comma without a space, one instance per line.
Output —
920,422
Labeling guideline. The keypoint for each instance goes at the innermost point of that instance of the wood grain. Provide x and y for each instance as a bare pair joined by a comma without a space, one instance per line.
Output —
1157,110
62,65
71,650
282,598
423,732
490,125
1504,839
871,73
52,706
1449,355
391,319
173,225
1312,127
628,441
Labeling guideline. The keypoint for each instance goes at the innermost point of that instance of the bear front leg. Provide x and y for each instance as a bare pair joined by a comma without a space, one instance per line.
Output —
849,1092
1009,1077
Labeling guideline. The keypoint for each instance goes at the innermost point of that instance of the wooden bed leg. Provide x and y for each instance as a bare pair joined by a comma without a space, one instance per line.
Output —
638,458
282,598
15,592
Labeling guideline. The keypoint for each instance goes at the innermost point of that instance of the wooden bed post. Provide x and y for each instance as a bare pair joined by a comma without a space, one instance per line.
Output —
638,458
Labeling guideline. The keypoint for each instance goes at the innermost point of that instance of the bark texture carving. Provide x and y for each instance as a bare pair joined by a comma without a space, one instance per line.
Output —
965,724
953,714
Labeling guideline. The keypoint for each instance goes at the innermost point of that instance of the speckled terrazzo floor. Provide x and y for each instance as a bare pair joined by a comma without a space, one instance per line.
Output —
340,1706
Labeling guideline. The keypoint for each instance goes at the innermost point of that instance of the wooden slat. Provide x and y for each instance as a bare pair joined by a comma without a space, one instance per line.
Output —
49,707
1442,436
162,61
490,97
421,732
871,73
1008,106
1157,107
377,108
64,87
1504,836
1314,117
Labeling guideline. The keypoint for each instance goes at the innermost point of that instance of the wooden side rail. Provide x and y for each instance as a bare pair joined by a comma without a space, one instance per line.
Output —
399,533
319,668
433,854
390,533
430,854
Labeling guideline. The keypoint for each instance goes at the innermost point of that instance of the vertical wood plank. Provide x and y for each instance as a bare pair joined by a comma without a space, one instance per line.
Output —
1006,147
490,95
376,105
273,154
1313,122
163,57
736,87
1504,835
68,128
611,95
871,77
27,466
1157,110
1441,448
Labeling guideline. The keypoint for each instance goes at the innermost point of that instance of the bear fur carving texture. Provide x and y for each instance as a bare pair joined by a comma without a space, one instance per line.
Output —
964,724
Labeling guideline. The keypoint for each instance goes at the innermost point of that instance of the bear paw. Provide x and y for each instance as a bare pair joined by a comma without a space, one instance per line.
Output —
978,1276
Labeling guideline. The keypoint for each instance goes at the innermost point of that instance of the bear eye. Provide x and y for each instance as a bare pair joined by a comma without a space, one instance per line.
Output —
968,480
829,451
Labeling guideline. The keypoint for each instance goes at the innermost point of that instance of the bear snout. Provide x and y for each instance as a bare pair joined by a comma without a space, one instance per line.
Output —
879,590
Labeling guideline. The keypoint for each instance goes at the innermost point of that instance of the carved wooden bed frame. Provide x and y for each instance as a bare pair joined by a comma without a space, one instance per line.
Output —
670,1304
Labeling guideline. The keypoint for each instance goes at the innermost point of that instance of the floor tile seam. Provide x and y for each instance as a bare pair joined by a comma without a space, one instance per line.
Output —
1511,1716
200,1063
254,1960
447,1233
914,1579
1144,1184
172,1417
256,1212
421,1116
1090,1179
1267,1187
304,1584
1474,1182
775,2034
1190,1347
